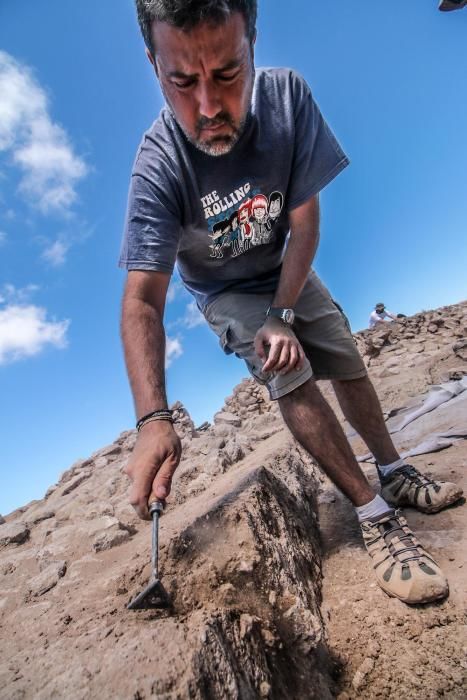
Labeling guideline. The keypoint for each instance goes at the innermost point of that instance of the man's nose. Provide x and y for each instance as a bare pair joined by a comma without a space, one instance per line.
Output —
208,100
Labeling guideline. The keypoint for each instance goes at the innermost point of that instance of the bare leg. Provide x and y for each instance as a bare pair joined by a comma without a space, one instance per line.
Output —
313,423
360,405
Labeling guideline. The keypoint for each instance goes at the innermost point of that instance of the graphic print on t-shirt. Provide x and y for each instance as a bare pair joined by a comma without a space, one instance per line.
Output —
243,219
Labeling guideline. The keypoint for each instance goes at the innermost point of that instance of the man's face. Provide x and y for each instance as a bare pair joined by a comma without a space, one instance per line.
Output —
259,213
206,76
274,209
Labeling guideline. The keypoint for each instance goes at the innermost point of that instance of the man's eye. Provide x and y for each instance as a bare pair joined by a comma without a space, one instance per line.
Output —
182,84
227,78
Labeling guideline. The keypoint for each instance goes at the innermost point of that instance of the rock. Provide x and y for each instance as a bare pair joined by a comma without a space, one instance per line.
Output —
364,669
75,482
233,451
39,515
199,484
2,520
227,419
388,348
109,451
47,579
454,374
247,400
460,349
107,532
213,465
50,491
110,538
96,509
388,372
374,649
223,430
73,470
13,533
182,421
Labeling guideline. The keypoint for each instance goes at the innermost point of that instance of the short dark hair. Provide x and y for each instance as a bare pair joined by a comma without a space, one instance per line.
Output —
276,195
222,225
186,14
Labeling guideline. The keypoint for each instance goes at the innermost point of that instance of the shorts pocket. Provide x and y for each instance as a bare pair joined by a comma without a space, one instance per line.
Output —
342,313
224,339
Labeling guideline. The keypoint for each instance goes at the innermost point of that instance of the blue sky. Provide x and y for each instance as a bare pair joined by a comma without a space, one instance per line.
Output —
76,94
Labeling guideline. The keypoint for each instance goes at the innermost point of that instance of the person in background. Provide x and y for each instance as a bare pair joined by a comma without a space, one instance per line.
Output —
449,5
381,315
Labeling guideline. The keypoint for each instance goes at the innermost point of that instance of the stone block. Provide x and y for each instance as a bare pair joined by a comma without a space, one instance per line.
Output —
13,533
47,579
224,418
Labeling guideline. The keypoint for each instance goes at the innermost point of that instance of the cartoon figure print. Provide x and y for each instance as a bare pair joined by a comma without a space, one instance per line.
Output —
246,231
235,235
251,225
276,201
220,238
259,215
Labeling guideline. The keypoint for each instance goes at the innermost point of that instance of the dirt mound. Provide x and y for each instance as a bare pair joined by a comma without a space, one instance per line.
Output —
242,558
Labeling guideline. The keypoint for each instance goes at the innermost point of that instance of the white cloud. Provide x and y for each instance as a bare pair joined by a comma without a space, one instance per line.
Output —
38,146
173,350
190,319
9,294
3,237
175,287
193,316
55,254
25,331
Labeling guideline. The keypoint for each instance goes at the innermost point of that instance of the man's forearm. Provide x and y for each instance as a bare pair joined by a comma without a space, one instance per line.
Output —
301,249
143,338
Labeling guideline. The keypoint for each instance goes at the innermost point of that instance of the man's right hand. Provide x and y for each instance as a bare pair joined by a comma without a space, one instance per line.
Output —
151,467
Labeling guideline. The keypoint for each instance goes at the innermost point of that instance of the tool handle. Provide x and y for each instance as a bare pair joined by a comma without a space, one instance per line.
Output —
155,509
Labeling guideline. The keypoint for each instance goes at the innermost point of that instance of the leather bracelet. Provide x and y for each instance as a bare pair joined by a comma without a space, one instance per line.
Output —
162,414
154,418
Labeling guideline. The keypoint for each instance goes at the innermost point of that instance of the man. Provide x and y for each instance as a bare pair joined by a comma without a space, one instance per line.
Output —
227,134
380,316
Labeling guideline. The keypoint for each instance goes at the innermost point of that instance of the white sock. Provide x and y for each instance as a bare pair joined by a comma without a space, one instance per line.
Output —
386,469
371,510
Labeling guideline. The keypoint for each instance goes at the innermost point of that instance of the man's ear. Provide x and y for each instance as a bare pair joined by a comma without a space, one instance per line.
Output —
152,60
252,47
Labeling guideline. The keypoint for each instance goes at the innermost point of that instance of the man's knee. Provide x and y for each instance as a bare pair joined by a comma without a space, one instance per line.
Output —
353,383
306,392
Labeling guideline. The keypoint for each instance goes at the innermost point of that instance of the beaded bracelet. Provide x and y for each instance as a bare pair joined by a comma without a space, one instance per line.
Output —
162,414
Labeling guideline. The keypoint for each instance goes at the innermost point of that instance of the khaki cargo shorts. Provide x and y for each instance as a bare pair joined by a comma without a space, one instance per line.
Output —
320,325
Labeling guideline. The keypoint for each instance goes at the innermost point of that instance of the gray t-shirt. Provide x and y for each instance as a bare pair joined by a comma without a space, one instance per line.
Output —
224,219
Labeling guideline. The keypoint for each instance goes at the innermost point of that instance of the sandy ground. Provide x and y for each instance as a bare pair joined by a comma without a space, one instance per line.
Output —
383,648
268,603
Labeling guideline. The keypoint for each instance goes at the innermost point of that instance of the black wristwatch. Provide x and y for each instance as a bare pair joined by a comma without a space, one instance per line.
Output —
285,315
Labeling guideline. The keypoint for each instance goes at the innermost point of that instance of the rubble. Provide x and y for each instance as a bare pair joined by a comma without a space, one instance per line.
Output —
241,556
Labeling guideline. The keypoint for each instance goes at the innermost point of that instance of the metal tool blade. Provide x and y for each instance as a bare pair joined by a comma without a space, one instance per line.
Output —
154,595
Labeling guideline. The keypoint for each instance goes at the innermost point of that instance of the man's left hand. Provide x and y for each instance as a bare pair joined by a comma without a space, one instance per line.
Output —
285,352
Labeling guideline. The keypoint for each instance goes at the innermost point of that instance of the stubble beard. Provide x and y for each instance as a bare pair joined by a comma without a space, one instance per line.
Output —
217,145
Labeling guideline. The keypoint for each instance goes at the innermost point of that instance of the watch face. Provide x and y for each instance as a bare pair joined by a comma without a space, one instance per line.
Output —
288,316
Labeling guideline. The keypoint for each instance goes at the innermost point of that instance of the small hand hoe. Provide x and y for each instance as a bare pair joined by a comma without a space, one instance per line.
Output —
154,595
